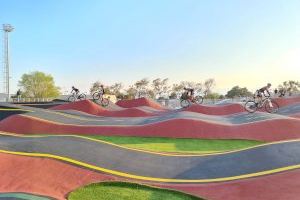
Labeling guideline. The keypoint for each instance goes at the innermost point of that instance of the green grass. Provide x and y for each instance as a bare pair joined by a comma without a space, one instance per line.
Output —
126,191
179,145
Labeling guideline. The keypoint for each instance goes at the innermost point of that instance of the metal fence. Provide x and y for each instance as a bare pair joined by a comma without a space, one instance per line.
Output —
24,100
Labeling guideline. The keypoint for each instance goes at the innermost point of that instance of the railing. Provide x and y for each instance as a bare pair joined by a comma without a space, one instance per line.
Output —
24,100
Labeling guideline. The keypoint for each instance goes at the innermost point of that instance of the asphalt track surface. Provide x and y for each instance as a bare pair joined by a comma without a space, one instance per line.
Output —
59,178
22,196
129,163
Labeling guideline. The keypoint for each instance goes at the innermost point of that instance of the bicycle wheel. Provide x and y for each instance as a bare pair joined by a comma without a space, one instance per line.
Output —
198,99
71,98
250,106
271,106
82,97
96,96
104,102
185,103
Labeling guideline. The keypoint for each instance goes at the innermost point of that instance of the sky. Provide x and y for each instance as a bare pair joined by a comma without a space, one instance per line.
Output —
236,42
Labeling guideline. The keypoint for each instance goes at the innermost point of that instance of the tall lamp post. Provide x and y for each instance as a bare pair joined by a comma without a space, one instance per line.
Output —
7,28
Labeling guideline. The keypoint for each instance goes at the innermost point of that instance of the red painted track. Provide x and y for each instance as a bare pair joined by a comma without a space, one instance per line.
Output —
235,107
296,115
272,187
90,107
139,102
287,101
56,179
43,176
216,110
132,110
269,130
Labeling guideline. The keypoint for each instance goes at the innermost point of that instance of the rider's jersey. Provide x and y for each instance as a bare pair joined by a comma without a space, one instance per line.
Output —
189,90
263,90
101,91
75,90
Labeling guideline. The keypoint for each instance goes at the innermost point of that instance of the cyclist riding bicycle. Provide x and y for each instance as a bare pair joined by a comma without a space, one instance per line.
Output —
75,90
189,93
101,90
263,91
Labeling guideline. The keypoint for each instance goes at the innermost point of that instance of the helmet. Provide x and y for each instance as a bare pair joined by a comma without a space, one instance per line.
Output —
269,84
73,87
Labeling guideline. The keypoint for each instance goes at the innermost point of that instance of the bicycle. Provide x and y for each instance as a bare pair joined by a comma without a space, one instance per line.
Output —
268,104
186,101
74,97
98,96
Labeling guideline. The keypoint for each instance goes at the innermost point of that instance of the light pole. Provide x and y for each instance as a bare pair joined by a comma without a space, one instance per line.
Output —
7,28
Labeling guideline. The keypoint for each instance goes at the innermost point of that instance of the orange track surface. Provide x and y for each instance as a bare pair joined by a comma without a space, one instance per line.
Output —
269,130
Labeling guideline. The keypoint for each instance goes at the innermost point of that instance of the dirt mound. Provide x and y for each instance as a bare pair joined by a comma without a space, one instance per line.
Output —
86,106
139,102
216,110
268,130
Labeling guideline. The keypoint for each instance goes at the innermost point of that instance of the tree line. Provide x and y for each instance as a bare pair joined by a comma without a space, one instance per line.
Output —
40,85
157,89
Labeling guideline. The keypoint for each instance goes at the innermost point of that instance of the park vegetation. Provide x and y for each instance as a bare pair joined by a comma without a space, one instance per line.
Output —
40,85
158,89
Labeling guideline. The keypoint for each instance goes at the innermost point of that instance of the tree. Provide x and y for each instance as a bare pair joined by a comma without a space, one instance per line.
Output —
160,86
39,85
237,91
290,86
96,85
191,84
176,90
141,87
150,93
116,90
130,93
214,96
208,85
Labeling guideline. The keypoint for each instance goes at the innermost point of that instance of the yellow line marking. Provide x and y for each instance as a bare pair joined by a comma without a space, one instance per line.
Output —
15,109
9,109
146,178
151,152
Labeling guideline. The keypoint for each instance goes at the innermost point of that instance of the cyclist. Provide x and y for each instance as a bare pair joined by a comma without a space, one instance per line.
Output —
263,91
189,92
75,91
282,92
101,90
